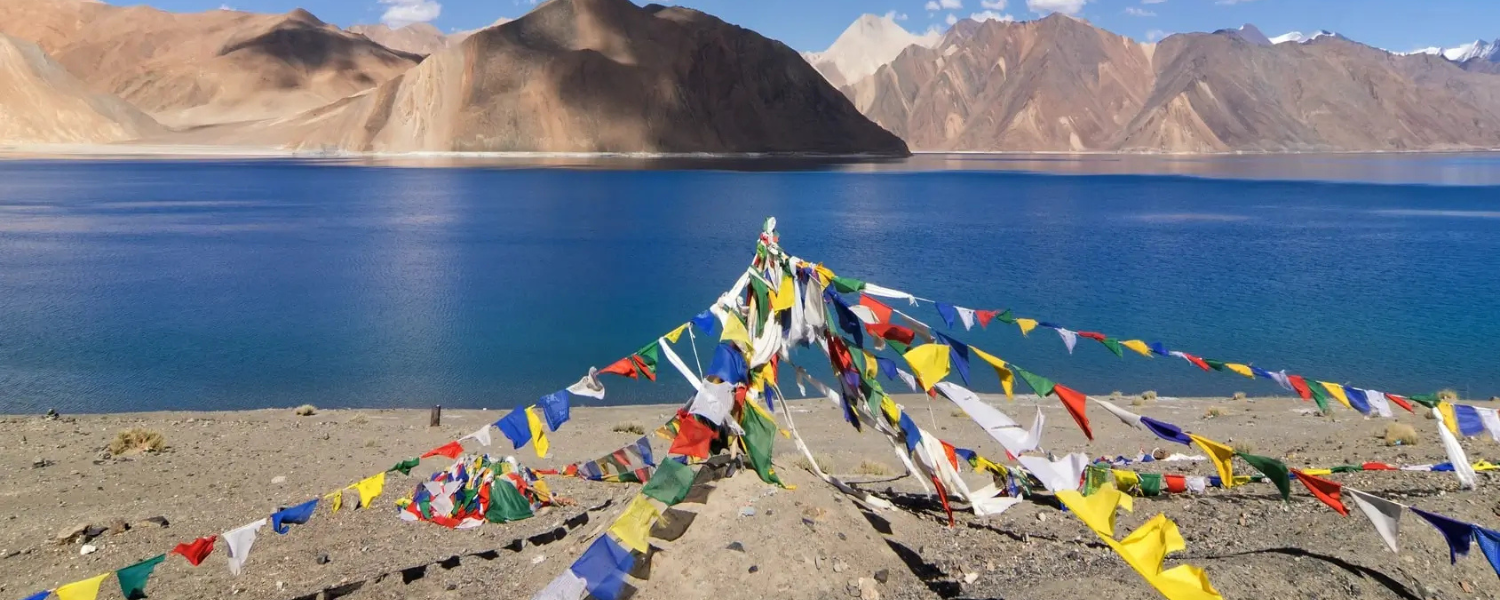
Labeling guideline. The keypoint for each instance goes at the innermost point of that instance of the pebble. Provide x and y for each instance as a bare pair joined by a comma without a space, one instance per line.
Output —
322,558
867,590
278,480
754,568
735,546
1041,517
87,549
883,575
536,560
66,536
747,511
839,566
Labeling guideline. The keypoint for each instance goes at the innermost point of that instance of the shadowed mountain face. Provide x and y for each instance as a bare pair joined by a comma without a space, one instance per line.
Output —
40,103
417,38
1060,84
202,68
595,76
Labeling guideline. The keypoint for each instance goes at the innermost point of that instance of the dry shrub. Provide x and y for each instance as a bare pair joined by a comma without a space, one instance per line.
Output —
630,427
1448,395
306,410
1116,395
1148,395
137,440
1138,402
1244,447
958,413
1213,412
1238,396
1400,434
873,468
359,419
824,463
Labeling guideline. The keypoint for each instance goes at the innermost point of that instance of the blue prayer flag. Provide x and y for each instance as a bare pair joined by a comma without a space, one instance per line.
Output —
1357,399
959,352
1458,533
847,321
1158,348
728,364
603,567
706,321
887,367
556,408
1469,422
294,515
965,453
948,313
1489,542
1261,373
913,435
1167,431
515,427
40,595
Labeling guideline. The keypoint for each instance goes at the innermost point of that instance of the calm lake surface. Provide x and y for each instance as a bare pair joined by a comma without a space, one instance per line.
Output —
133,285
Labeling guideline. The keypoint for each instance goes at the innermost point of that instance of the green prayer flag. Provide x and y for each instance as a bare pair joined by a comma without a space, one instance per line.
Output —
857,357
670,483
1114,346
1150,484
1218,365
133,578
1274,470
899,347
760,437
1006,317
507,504
1347,468
1040,385
762,294
847,285
406,466
1319,395
1427,400
1094,477
649,354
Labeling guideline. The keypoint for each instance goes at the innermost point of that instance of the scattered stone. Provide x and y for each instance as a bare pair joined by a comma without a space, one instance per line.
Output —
72,534
839,566
970,577
536,560
1466,587
158,521
322,558
41,463
867,590
883,575
87,549
1041,517
754,568
747,511
118,527
735,546
94,531
842,537
278,480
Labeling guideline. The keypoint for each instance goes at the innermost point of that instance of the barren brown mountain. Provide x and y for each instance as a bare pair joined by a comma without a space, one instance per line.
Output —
417,38
594,76
1060,84
41,103
212,67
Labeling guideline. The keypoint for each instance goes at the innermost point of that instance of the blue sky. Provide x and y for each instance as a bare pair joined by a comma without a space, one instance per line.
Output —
813,24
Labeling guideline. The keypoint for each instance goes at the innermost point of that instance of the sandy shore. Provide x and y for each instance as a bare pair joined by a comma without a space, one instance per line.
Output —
225,469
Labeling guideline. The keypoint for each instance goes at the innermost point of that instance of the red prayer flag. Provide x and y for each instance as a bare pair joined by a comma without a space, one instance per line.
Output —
1325,490
624,367
943,496
640,365
985,316
895,333
1375,466
450,450
196,551
882,312
951,452
1402,402
1093,335
1176,484
1075,402
1300,384
693,437
1202,364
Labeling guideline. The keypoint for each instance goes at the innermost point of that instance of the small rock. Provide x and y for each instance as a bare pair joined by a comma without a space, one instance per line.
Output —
278,480
883,575
747,511
1041,517
40,463
158,521
322,558
69,535
118,527
754,568
842,537
536,560
87,549
451,587
735,546
818,561
970,577
1465,586
867,590
51,414
839,566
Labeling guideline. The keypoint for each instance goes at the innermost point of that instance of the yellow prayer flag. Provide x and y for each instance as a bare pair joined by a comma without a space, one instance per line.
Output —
1126,481
872,366
1241,369
1450,419
1485,465
825,274
1026,325
336,500
1337,391
369,488
1007,378
87,589
1138,346
633,525
1097,511
1221,455
676,334
734,329
538,433
1317,472
785,297
890,410
1147,547
930,363
984,464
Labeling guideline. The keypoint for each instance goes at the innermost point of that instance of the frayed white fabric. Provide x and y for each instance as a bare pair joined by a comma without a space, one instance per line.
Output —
482,436
1125,416
588,386
1379,403
1063,474
1461,466
240,540
1069,338
679,365
567,586
907,378
1001,427
1197,484
966,315
1384,514
885,292
713,402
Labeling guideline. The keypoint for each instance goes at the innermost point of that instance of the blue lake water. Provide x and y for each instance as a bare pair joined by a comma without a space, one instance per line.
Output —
229,285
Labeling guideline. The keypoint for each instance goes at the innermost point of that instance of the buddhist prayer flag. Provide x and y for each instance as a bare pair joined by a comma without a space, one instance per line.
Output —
1076,403
40,595
196,551
1069,338
507,504
1468,420
1098,510
1139,347
1358,399
1114,346
369,488
405,466
676,334
1337,391
1241,369
759,438
538,434
1167,431
482,436
451,450
241,539
948,313
603,568
1457,533
1221,455
1026,325
670,484
705,322
87,589
879,309
930,362
1274,470
1326,491
1489,542
516,427
335,500
1126,481
133,578
1065,473
1383,514
1007,379
588,386
1040,386
967,316
1401,402
294,515
557,408
1300,386
635,523
1147,547
1461,466
693,437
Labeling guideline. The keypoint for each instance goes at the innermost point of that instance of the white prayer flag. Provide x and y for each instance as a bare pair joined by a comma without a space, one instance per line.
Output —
1461,466
1069,338
1384,514
1064,474
239,541
966,315
482,436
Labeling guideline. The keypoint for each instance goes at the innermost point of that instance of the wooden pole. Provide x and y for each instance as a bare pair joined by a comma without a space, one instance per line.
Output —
437,416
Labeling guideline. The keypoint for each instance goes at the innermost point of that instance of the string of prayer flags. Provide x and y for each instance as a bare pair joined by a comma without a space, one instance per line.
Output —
1065,473
1137,346
1026,325
1097,510
1489,543
133,578
369,488
1039,385
40,595
603,567
85,589
538,434
293,515
1007,378
1326,491
948,313
1000,427
759,438
405,466
241,539
197,550
1461,466
1274,470
335,500
1383,514
1221,456
451,450
588,386
705,322
1458,534
482,436
1146,548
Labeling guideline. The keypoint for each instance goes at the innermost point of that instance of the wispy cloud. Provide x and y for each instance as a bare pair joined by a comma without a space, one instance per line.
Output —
1155,34
1152,1
1228,2
951,19
1138,12
1067,7
992,4
895,16
405,12
990,15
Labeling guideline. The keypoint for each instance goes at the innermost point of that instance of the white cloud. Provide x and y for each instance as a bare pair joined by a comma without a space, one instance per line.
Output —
951,19
225,7
895,16
1152,1
1138,12
932,6
950,4
1228,2
1067,7
990,15
405,12
1155,34
993,4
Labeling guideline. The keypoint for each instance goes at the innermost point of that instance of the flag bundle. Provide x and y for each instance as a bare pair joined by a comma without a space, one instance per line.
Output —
476,490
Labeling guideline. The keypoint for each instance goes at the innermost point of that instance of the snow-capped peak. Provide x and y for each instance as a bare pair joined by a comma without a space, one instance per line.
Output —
1299,38
1249,33
1472,50
869,43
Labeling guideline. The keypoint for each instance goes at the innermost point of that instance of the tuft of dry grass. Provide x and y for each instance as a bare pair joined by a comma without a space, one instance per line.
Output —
372,442
1116,395
1138,402
1148,395
1400,434
1213,412
1448,395
359,419
874,468
1244,447
137,440
958,413
1238,396
630,427
824,463
306,410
